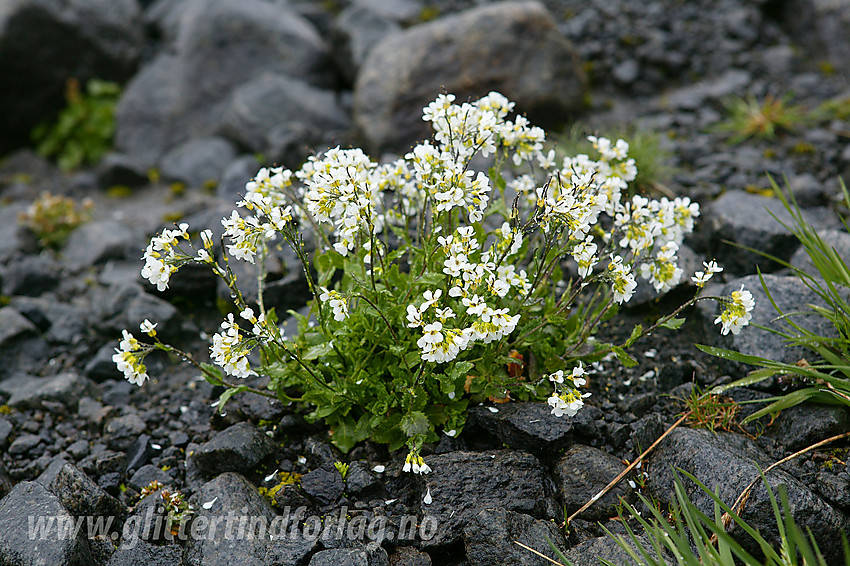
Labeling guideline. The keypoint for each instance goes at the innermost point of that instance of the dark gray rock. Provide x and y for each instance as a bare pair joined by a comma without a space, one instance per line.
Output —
101,366
695,96
350,557
122,432
13,326
14,238
835,489
266,113
139,453
78,493
582,473
220,45
512,47
28,392
819,26
356,31
409,556
25,443
323,484
199,162
134,551
120,170
238,448
490,539
232,495
791,295
21,347
146,474
5,429
33,500
592,552
748,220
839,240
803,425
43,43
97,242
359,481
238,172
728,463
31,275
532,427
463,483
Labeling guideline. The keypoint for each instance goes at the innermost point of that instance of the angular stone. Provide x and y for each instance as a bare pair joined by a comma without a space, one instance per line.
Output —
323,484
198,162
463,483
28,392
839,240
238,448
13,325
790,294
122,432
24,443
727,463
142,552
356,31
43,43
350,557
117,169
146,474
31,500
511,47
31,275
592,552
232,495
97,242
79,494
748,220
491,536
274,108
803,425
533,427
220,45
582,473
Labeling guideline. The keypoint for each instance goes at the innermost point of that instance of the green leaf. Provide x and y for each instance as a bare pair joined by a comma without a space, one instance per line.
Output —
318,351
625,358
415,423
636,333
225,397
212,374
673,323
785,402
732,355
753,377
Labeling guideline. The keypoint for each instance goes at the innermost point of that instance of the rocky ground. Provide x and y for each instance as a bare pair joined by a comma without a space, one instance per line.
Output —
215,88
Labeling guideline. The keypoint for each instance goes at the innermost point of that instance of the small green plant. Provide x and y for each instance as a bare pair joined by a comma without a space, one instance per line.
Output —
651,158
827,380
711,412
177,509
761,119
83,132
342,468
433,283
51,218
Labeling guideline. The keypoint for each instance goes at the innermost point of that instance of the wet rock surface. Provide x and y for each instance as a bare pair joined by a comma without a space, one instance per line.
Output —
213,90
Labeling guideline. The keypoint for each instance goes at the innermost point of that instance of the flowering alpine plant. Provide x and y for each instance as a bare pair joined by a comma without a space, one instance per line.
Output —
436,285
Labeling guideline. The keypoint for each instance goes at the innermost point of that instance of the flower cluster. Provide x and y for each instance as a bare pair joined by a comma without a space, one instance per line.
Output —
433,281
162,256
128,357
229,350
737,312
567,399
416,464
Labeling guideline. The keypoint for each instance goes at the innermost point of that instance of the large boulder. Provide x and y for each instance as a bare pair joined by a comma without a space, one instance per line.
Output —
43,43
220,45
727,463
511,47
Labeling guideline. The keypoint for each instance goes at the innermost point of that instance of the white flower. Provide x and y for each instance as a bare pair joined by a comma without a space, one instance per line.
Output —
148,327
737,312
700,278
